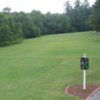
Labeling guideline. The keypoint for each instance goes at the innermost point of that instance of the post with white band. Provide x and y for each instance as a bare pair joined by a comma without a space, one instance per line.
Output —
84,79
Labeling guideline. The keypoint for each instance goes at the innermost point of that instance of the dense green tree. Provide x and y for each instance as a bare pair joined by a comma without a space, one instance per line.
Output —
86,4
56,23
17,33
65,24
79,15
3,19
5,35
7,9
86,13
96,15
10,31
15,28
38,18
30,23
19,25
68,8
77,4
51,24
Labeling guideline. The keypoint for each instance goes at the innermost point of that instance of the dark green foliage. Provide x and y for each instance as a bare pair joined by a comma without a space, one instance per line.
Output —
17,34
10,31
77,4
37,19
51,23
65,23
32,32
5,35
6,10
14,26
30,22
96,16
56,23
79,15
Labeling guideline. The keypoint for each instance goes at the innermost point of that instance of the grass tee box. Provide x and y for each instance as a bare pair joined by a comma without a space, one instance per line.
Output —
41,68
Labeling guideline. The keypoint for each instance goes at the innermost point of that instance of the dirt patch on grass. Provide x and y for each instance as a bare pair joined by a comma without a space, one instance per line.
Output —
77,90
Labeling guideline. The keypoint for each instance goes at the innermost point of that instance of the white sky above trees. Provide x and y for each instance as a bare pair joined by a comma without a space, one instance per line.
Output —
53,6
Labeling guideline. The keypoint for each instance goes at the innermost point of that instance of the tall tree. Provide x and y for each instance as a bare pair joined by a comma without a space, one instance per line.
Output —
65,24
37,18
7,9
79,15
5,35
68,8
86,13
77,3
96,15
86,4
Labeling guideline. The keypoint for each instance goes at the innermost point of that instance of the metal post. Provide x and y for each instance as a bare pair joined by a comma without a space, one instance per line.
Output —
84,79
84,76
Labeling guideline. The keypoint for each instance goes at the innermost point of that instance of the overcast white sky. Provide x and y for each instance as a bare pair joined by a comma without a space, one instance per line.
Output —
54,6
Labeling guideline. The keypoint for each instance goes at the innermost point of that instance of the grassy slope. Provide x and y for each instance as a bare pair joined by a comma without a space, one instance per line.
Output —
40,69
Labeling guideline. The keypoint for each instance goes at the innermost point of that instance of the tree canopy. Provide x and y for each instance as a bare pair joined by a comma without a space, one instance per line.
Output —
96,15
79,15
15,26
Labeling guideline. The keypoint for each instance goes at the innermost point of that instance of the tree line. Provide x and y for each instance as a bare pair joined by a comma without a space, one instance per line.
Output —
83,17
15,26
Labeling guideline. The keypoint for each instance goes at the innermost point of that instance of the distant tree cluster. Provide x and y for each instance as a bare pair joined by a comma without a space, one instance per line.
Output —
96,16
82,16
15,26
79,15
10,30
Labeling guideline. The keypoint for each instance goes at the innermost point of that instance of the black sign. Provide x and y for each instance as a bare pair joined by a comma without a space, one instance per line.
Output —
84,63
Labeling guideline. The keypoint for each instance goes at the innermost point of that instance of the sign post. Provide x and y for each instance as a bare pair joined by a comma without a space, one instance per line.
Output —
84,79
84,67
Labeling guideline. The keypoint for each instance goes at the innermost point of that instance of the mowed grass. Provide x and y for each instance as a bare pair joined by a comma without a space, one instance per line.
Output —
41,68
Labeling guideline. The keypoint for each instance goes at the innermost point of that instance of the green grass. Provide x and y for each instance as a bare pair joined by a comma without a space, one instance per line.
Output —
41,68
